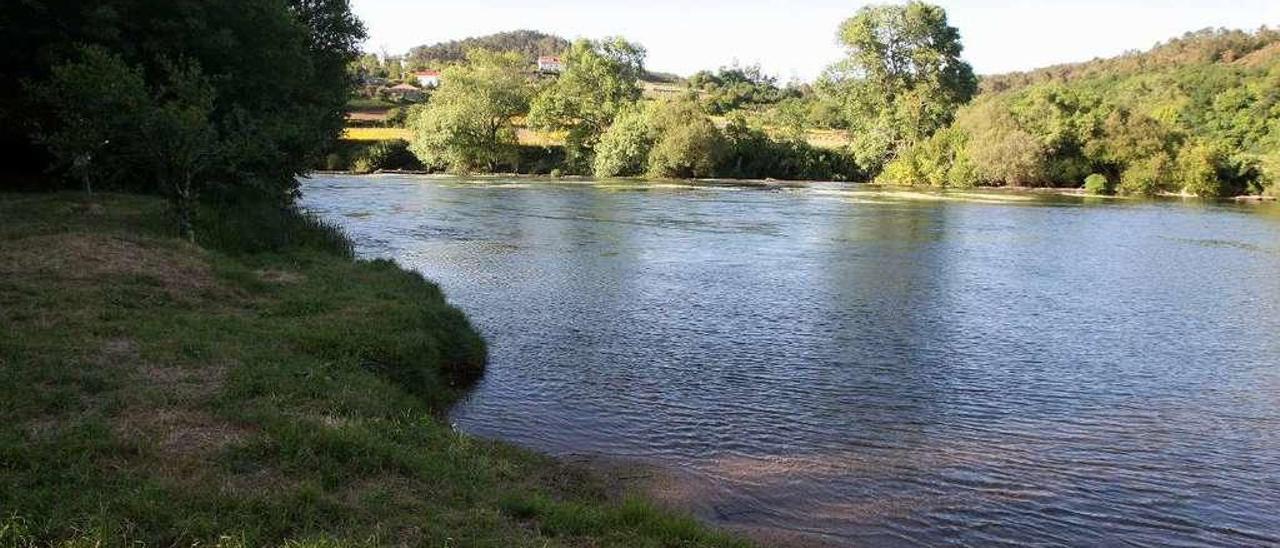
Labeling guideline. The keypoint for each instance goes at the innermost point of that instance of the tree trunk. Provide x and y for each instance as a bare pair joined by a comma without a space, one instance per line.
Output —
186,226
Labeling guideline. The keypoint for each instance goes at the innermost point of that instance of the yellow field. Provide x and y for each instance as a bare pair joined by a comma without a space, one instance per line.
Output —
818,138
375,133
526,136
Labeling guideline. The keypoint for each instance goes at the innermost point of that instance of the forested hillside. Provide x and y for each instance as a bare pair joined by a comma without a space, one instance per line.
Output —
530,44
1198,115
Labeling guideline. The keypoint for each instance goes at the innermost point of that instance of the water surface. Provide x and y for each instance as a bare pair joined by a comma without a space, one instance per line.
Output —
871,367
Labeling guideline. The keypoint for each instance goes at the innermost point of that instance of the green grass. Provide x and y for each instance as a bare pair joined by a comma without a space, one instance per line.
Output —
259,391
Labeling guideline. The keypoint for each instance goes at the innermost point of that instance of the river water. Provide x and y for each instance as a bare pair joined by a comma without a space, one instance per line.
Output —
870,367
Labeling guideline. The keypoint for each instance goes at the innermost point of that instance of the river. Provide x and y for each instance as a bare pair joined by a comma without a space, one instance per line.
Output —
866,366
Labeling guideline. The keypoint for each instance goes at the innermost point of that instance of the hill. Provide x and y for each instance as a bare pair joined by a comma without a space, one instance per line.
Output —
530,43
1198,115
1207,46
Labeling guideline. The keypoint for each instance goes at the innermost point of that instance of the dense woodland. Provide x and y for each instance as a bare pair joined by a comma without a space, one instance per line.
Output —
1196,115
164,97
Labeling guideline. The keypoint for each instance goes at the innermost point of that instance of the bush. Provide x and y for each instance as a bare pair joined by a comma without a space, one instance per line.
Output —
691,149
1198,171
1146,177
624,148
1098,183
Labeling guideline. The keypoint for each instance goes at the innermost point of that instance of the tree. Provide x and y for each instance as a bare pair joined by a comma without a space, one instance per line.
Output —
600,79
1198,167
179,142
1002,152
468,124
93,101
624,148
688,144
903,78
278,72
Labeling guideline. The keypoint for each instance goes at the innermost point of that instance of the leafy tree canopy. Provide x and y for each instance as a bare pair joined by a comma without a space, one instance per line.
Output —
468,125
529,44
903,77
601,77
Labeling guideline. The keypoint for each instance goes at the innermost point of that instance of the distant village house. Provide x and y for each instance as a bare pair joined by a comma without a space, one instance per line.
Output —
550,65
428,78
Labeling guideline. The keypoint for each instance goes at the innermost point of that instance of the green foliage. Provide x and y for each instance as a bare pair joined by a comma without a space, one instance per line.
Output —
1098,184
528,44
1171,120
275,110
600,79
384,155
940,161
93,102
688,144
903,78
624,148
751,153
735,87
672,139
251,228
468,124
1000,150
1197,170
1147,176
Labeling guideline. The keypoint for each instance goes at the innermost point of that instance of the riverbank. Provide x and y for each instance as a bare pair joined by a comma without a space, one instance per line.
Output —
788,184
261,390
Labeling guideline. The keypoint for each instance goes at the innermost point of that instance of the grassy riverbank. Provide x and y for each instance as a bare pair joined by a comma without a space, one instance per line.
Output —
264,389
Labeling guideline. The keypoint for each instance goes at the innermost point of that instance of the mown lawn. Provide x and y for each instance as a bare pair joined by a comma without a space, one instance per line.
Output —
258,391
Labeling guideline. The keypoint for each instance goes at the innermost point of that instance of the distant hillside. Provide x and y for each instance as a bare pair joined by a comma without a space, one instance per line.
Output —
1196,115
530,43
1193,48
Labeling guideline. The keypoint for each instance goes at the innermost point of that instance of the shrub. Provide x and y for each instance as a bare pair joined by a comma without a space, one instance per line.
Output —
687,150
624,148
1270,179
1098,183
1146,177
1198,171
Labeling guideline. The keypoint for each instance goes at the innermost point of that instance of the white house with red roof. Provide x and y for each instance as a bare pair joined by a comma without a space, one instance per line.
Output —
550,64
428,78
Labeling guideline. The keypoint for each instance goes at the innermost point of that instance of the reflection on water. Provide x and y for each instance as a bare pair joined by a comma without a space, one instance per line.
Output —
870,366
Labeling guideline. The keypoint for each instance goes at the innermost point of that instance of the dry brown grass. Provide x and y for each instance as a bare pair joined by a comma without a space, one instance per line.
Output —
90,258
275,276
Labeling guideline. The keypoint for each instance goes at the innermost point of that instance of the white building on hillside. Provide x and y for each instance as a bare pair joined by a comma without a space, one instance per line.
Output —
428,78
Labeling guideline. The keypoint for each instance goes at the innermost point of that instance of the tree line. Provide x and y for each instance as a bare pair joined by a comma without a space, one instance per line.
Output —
1197,115
224,101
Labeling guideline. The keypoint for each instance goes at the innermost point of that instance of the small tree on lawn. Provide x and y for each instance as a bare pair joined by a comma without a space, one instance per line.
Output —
179,141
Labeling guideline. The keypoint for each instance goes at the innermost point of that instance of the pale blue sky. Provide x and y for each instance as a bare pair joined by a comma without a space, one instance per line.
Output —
797,38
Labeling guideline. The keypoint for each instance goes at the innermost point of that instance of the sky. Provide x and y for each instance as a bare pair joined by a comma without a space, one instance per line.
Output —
796,39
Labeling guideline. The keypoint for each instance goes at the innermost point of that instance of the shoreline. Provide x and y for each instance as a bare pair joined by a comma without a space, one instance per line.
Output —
1077,192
